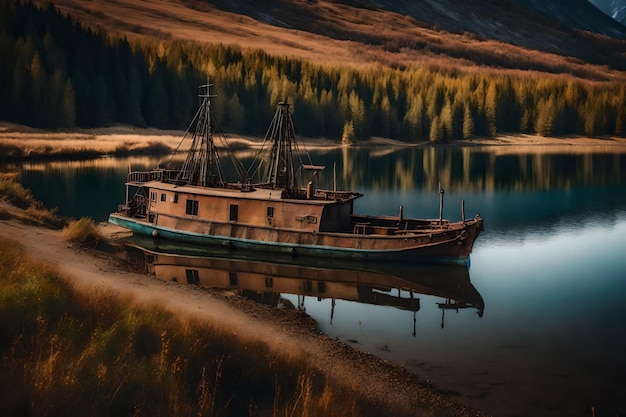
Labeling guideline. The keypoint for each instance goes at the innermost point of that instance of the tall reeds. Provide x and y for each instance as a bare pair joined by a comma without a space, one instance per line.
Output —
83,231
31,210
14,193
98,354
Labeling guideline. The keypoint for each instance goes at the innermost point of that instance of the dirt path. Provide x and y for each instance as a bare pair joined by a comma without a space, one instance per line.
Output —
286,332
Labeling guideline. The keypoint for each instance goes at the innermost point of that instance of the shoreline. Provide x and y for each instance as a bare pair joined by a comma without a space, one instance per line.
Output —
19,142
285,331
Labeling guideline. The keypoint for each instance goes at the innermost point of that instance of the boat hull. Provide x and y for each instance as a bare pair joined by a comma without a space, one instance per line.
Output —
446,246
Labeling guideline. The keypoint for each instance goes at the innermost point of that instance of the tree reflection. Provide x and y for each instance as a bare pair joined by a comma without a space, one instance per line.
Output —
469,169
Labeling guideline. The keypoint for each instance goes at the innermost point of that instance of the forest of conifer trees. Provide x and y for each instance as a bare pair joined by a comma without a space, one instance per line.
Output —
55,74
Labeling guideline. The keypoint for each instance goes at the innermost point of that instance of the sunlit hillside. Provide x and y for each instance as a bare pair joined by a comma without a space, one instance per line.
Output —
479,35
351,70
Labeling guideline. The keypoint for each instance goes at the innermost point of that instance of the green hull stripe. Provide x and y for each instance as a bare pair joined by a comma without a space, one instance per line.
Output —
148,229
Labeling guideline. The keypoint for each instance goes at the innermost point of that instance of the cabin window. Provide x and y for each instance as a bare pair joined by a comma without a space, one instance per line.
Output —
174,199
152,196
234,212
269,282
163,197
192,207
193,277
270,212
321,287
232,278
307,286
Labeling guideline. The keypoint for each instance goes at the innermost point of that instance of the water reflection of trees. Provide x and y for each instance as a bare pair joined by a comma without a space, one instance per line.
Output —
383,168
470,169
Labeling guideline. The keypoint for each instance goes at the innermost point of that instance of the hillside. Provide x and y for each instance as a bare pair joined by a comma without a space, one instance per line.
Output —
351,72
468,35
614,8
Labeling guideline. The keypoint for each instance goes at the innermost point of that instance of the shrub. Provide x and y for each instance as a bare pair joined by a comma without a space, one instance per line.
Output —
39,215
82,231
71,353
15,193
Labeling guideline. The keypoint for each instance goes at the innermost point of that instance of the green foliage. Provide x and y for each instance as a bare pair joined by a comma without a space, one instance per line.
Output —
68,353
58,74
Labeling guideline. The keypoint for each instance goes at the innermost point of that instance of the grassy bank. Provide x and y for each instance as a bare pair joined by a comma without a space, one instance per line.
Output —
65,352
59,146
29,210
72,343
69,353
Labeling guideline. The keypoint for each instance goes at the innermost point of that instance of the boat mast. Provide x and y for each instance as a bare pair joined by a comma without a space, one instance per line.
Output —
202,166
280,171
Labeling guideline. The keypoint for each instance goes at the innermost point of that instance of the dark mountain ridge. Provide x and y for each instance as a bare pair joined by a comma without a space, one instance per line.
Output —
483,16
573,28
580,14
613,8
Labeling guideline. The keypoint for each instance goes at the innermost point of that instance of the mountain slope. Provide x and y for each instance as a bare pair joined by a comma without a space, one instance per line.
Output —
500,20
564,27
578,14
614,8
366,72
465,35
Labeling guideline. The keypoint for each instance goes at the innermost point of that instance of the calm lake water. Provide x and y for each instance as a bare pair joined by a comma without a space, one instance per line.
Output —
550,269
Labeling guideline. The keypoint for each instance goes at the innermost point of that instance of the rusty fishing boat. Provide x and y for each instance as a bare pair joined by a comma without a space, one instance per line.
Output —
195,204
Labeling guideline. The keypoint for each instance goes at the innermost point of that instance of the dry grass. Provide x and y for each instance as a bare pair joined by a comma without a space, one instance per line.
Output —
68,353
83,231
21,204
356,37
40,215
161,20
18,142
27,143
14,193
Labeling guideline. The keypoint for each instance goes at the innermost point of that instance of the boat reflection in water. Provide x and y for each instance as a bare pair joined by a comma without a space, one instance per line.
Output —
266,281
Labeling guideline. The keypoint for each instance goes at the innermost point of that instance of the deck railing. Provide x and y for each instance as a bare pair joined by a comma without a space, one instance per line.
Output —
164,175
336,195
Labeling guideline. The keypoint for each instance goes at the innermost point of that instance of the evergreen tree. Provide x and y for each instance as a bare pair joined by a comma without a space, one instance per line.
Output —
357,115
413,119
546,117
387,119
590,121
468,123
236,113
48,58
446,121
68,106
491,109
20,97
436,130
457,120
156,105
347,137
52,100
